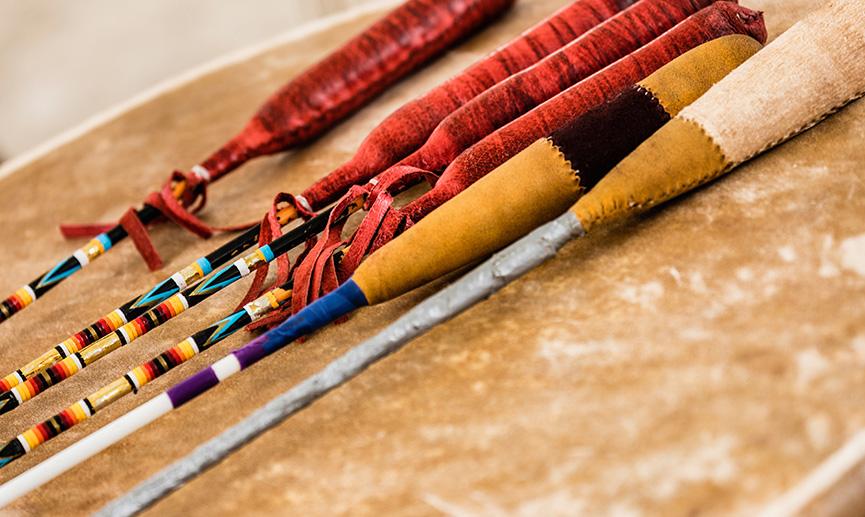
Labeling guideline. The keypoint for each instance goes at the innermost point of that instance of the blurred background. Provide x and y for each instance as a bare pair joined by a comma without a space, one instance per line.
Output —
63,61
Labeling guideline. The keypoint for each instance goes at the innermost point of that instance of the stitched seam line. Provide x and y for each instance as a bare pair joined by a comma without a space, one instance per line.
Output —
679,189
575,173
711,175
656,102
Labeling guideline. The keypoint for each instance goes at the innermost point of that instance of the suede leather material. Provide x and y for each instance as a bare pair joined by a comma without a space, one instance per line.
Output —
805,75
530,189
686,79
593,145
674,160
545,179
808,72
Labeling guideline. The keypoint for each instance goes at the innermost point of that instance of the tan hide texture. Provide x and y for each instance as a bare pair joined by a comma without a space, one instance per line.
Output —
814,68
701,359
802,77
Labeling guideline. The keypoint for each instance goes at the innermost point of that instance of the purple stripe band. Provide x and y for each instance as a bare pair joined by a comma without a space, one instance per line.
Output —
190,388
252,352
343,300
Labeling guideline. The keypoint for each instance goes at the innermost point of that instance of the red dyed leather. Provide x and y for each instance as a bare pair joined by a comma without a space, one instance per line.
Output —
406,129
331,90
717,20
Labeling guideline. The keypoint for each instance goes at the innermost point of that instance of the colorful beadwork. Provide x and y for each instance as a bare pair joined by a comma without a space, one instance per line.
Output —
29,293
303,109
110,322
110,339
145,373
129,332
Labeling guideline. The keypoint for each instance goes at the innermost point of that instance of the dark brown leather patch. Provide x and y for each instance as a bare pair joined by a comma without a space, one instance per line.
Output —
595,142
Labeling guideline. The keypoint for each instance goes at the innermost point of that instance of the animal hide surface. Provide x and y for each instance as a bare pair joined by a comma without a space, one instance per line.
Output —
701,358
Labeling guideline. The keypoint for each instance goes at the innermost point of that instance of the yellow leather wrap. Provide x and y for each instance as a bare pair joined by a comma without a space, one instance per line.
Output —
528,190
803,76
689,76
674,160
